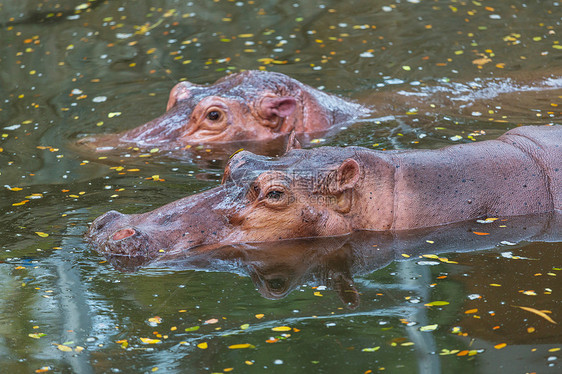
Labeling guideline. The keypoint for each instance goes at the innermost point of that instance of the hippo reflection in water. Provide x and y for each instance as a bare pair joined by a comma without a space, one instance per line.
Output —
333,191
280,267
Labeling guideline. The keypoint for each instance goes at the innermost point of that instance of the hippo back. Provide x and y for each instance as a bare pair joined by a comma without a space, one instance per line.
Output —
544,145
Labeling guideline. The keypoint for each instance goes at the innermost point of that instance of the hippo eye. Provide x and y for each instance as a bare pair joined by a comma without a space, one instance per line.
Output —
276,284
214,115
274,195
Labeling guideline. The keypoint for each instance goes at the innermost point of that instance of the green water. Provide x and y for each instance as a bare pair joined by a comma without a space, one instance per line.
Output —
69,68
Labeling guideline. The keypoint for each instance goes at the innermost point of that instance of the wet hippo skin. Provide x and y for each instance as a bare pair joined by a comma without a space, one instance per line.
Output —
253,105
280,267
333,191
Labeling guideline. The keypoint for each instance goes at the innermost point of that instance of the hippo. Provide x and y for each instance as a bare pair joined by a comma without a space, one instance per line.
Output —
331,191
257,110
252,105
278,268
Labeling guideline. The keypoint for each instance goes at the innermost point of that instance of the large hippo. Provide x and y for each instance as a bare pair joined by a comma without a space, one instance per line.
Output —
333,191
280,267
252,105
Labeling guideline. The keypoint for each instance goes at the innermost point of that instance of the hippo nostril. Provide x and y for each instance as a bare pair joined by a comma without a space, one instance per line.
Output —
123,234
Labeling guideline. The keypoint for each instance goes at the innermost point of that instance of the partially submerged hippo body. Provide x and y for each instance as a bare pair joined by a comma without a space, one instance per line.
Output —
256,106
280,267
333,191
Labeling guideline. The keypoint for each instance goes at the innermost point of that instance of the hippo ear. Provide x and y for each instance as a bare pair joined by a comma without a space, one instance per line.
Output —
293,142
347,176
273,106
178,93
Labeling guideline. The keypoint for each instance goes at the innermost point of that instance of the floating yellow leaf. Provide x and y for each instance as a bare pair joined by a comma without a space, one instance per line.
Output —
541,313
150,341
241,346
437,303
155,319
372,349
481,61
63,348
259,316
193,328
429,327
244,326
471,311
124,343
203,345
36,335
281,328
41,234
500,346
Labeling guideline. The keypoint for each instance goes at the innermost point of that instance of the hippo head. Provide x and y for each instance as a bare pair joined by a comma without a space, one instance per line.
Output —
248,106
306,193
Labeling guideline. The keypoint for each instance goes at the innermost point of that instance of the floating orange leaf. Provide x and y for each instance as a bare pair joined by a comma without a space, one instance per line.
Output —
480,233
500,346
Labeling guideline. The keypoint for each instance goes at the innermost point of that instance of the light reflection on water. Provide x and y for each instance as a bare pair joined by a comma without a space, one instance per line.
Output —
56,69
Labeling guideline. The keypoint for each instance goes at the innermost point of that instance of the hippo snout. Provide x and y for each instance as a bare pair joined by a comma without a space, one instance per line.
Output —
104,220
111,233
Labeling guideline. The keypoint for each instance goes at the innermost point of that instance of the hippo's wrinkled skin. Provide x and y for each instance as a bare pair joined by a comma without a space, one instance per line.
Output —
333,191
252,105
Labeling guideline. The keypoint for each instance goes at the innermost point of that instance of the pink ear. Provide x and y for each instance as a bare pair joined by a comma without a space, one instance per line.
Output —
348,174
178,93
271,107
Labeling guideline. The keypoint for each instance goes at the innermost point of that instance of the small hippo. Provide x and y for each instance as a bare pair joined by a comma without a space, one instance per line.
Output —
333,191
252,105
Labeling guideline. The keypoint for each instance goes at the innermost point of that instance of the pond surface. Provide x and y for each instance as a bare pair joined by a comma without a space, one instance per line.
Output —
70,68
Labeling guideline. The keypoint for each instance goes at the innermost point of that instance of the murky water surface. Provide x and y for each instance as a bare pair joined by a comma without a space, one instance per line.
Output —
67,68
